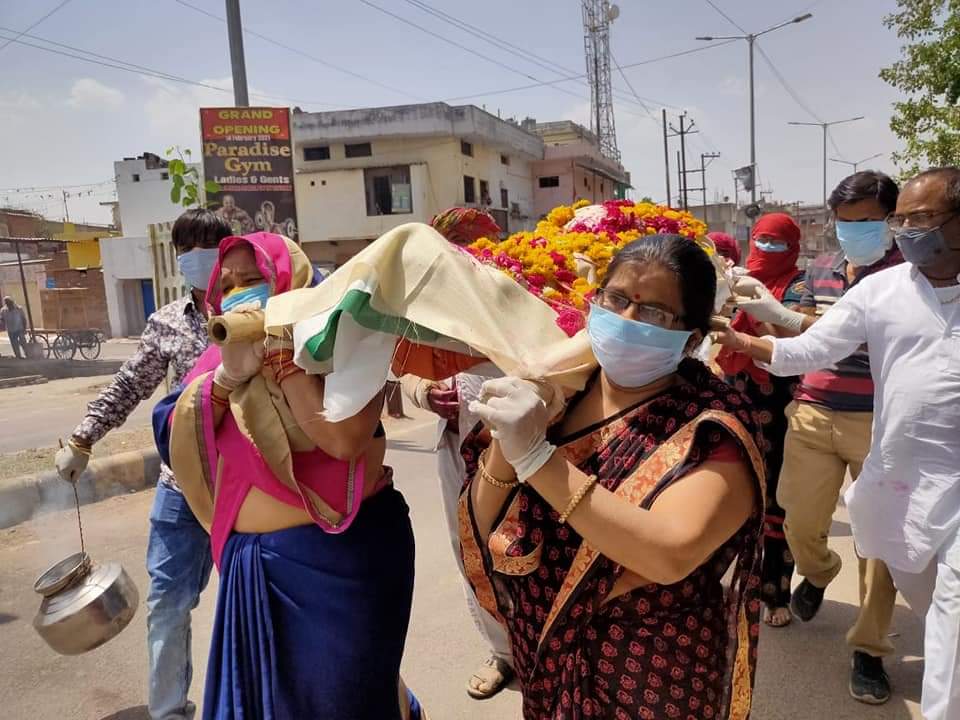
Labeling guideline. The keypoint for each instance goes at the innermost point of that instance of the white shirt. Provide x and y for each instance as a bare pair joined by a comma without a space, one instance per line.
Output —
906,503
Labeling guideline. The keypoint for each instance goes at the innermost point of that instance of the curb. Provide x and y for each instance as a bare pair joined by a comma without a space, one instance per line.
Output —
21,381
24,498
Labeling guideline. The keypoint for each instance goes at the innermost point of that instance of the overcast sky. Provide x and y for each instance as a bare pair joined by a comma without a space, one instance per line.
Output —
65,121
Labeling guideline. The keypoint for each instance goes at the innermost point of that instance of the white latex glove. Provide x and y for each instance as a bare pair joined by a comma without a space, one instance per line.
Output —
71,463
518,418
746,285
239,362
762,306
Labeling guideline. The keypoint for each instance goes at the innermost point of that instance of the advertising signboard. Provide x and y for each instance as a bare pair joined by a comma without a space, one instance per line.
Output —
248,152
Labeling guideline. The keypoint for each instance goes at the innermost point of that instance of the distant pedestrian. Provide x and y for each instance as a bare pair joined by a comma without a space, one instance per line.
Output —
774,250
14,319
726,245
178,548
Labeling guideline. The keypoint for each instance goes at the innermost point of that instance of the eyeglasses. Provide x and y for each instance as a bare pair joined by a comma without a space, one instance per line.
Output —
615,302
920,219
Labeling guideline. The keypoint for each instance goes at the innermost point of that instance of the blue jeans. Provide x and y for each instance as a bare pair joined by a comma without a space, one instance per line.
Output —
179,563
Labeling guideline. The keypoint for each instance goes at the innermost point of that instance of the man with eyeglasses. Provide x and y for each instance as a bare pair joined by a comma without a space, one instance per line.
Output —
905,506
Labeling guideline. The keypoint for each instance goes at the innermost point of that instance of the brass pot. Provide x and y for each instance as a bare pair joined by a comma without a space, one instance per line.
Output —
84,605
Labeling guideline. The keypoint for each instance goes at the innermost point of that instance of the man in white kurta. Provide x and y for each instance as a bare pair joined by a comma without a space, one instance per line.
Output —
905,506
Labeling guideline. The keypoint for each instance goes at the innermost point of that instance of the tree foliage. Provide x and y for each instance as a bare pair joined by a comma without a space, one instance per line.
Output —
928,120
185,186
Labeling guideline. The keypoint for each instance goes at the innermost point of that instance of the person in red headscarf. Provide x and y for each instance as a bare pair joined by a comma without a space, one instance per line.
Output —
464,225
726,245
774,251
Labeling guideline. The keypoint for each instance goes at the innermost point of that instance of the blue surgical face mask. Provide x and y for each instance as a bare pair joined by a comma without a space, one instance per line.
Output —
921,247
864,243
770,246
631,353
258,294
197,266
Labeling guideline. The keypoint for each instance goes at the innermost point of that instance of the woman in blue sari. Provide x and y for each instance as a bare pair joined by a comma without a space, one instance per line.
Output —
313,543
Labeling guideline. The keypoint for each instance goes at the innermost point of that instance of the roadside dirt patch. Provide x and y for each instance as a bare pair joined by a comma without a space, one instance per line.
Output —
34,460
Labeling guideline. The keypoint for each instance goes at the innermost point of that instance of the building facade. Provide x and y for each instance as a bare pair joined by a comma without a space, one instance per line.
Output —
573,168
360,173
143,194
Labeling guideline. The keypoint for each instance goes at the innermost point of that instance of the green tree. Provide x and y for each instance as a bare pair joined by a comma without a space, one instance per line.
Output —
185,179
928,120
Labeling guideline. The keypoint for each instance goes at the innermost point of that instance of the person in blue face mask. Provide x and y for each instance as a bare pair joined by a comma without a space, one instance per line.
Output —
178,548
609,528
904,507
830,403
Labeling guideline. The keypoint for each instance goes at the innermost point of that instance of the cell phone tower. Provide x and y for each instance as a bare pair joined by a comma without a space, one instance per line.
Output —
597,17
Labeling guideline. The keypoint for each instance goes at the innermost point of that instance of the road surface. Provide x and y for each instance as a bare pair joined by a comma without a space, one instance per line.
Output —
803,669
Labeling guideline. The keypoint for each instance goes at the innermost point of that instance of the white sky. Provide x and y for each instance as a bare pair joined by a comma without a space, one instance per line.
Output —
65,121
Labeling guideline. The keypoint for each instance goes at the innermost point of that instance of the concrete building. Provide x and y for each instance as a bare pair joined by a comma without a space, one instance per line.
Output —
359,173
573,168
143,194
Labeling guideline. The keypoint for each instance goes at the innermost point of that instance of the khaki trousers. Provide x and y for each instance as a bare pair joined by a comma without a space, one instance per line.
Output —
821,445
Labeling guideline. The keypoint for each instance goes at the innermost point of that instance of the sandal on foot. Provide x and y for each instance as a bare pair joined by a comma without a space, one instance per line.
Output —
777,617
489,679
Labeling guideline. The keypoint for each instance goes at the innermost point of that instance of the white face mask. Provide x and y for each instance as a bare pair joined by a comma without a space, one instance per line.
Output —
632,353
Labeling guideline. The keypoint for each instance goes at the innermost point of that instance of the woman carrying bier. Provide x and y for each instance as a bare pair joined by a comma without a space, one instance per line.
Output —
772,263
313,543
600,538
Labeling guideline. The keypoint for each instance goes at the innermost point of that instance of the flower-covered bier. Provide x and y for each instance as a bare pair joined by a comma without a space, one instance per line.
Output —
565,258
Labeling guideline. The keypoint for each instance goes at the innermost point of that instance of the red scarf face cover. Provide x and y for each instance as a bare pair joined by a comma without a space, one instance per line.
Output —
777,271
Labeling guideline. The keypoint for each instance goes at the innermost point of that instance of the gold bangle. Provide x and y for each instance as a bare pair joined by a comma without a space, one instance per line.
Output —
488,478
577,498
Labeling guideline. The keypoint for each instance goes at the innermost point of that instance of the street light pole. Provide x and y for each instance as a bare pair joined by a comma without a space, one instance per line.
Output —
237,62
751,39
826,127
856,165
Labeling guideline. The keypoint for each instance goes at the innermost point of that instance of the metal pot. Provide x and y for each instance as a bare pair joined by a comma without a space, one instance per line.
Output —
84,604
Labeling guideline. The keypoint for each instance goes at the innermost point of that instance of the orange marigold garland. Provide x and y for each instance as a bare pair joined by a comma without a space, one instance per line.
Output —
565,258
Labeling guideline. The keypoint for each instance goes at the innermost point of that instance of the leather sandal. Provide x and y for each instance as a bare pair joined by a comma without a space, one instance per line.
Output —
495,674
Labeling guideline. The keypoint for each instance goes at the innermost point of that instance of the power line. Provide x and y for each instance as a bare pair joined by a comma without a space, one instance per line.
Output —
513,49
302,53
650,61
448,41
117,64
786,86
43,188
31,27
537,81
464,48
630,85
725,16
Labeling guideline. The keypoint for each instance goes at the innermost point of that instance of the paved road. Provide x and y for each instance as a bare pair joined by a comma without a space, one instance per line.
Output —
803,669
37,415
119,349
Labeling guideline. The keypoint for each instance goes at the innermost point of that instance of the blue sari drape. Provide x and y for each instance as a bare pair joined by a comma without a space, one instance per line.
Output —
312,625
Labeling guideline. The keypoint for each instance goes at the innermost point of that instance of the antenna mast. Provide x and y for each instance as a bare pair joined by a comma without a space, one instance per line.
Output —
597,17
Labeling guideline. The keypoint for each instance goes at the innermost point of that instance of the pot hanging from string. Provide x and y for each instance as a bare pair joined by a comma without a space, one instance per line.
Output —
84,604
